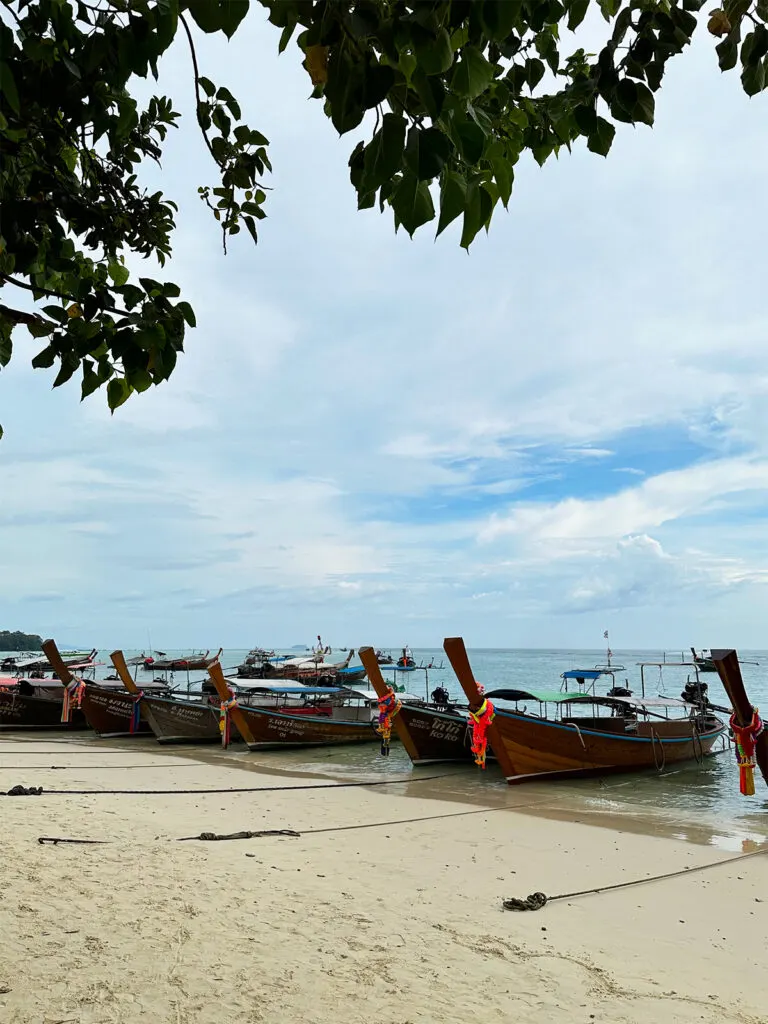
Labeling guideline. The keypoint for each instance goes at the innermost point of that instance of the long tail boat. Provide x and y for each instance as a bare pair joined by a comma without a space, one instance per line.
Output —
172,720
188,663
113,712
617,734
283,726
428,733
26,704
44,703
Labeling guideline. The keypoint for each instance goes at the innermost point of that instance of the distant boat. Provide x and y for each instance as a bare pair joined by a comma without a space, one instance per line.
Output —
195,662
703,661
405,662
39,663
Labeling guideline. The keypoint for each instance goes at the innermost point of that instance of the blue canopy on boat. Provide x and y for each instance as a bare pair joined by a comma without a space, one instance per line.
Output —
582,673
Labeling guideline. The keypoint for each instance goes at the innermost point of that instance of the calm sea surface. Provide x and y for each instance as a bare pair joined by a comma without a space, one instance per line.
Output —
701,803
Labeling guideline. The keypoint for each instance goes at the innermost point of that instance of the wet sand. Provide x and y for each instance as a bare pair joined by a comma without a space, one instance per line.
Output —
396,922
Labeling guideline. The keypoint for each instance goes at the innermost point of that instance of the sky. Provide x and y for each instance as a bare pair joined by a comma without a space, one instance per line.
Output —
389,441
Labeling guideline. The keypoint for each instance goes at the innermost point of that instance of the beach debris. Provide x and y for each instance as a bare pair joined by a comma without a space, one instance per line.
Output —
208,837
55,840
25,791
535,901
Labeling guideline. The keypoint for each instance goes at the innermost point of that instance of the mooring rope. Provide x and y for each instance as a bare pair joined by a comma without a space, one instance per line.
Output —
235,789
537,900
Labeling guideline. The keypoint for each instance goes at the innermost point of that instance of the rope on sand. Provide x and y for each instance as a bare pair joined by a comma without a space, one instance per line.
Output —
537,900
239,789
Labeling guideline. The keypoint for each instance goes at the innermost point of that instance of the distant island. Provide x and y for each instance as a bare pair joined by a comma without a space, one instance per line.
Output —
18,641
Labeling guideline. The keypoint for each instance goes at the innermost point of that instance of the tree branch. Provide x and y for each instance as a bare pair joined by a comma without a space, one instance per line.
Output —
198,97
54,295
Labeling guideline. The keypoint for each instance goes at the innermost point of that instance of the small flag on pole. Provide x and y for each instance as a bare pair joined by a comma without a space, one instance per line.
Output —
605,634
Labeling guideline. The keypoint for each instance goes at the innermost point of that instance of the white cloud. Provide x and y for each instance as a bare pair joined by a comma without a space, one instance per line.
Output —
357,430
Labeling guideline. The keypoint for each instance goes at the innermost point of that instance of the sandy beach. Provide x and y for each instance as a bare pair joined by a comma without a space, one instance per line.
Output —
397,922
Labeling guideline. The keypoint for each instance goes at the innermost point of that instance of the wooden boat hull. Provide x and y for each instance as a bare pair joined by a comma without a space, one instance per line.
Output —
281,729
20,711
109,712
435,735
180,721
533,748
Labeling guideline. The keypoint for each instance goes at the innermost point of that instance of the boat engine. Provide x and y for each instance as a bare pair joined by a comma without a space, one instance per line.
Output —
695,692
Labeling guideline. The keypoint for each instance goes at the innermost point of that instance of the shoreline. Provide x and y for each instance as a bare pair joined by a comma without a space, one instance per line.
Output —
394,921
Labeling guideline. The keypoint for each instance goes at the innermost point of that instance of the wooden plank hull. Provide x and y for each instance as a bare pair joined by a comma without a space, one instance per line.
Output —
180,721
435,735
109,712
534,748
278,729
19,711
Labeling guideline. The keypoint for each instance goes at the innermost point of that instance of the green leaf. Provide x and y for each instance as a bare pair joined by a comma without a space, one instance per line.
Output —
499,18
626,95
69,363
40,328
1,431
645,107
473,74
433,53
600,140
6,345
727,53
118,273
43,360
384,153
221,120
534,72
471,140
8,87
610,8
56,313
232,13
91,380
427,151
504,173
187,312
118,391
412,203
208,86
477,214
431,91
345,90
206,14
585,118
139,380
453,199
286,35
577,10
753,79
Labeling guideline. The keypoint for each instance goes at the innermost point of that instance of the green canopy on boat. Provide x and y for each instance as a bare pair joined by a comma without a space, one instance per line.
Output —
544,696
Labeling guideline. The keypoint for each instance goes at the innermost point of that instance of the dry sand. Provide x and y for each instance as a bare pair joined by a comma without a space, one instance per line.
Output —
395,924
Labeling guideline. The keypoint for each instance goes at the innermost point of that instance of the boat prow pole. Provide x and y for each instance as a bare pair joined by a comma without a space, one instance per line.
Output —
216,673
370,662
118,660
727,665
457,655
51,652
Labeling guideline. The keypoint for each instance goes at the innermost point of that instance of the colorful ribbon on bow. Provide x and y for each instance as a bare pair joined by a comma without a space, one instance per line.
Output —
136,712
389,706
73,697
225,720
481,719
745,738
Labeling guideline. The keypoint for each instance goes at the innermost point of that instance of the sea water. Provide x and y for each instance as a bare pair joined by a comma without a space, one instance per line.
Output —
701,803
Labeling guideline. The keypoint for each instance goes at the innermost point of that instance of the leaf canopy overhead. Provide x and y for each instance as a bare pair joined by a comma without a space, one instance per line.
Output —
450,94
